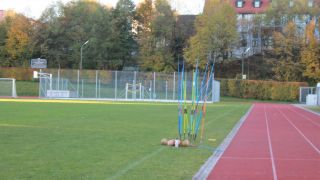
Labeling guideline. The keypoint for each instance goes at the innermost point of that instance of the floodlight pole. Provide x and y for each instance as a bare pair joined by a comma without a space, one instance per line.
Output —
242,66
80,65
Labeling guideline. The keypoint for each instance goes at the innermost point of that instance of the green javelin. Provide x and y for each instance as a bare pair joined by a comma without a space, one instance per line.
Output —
194,96
191,122
185,117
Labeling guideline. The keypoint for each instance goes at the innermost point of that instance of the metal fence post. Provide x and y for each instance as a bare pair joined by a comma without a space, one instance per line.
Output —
213,91
140,89
134,87
317,95
154,85
78,82
174,85
116,85
96,84
300,93
126,90
50,83
40,83
166,90
150,90
99,85
62,84
58,82
82,88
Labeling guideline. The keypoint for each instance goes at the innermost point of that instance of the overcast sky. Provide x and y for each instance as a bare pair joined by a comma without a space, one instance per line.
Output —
34,8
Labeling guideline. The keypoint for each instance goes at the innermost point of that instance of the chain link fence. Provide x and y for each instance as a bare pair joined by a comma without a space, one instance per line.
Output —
312,93
304,92
318,96
117,85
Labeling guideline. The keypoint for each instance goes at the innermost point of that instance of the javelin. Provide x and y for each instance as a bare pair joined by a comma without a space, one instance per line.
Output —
199,118
179,100
204,107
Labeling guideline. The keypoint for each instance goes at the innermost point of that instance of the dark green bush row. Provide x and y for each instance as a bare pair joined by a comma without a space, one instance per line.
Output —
261,90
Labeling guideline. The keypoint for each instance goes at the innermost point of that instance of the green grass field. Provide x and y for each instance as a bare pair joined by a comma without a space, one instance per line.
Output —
40,140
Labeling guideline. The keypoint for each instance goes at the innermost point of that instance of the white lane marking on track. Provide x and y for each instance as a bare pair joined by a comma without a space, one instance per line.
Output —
267,158
210,164
135,164
292,124
270,145
304,116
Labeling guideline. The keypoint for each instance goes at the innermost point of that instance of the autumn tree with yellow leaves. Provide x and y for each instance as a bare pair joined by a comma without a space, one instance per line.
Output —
310,55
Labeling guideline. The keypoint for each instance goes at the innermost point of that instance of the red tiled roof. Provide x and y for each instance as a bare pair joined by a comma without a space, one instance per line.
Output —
317,2
248,7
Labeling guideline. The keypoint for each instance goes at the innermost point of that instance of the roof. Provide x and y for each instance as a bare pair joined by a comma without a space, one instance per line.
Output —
248,7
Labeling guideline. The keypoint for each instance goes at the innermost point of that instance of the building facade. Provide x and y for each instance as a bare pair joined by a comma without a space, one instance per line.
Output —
250,34
2,15
255,35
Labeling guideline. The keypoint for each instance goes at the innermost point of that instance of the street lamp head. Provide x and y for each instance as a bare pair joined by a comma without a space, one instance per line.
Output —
247,50
80,65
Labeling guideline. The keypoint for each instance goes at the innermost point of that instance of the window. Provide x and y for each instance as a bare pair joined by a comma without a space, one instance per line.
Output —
310,3
256,3
239,3
291,3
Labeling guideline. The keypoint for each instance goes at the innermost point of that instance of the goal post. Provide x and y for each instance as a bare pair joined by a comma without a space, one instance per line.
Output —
134,89
8,87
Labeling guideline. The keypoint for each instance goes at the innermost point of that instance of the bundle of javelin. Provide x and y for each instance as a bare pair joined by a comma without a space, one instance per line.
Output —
190,117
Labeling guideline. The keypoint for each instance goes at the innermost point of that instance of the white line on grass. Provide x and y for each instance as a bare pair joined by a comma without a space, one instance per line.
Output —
135,164
85,102
270,146
292,124
70,101
19,126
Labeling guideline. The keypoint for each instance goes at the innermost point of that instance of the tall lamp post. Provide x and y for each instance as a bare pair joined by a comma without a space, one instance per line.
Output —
242,67
80,65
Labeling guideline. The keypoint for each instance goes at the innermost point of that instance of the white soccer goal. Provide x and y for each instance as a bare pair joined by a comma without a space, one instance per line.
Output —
8,87
134,89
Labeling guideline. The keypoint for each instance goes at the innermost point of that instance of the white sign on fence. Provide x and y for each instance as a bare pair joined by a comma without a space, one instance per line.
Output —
58,94
39,63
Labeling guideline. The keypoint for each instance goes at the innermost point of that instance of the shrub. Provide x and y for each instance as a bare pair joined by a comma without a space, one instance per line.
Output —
261,90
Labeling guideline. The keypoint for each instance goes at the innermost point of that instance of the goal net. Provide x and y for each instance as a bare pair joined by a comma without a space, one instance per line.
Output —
8,87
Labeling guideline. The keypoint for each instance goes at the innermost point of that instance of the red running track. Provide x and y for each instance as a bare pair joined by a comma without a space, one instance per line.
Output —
275,142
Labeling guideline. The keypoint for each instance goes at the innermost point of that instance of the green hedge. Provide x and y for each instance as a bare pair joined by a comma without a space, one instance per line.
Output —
261,90
20,74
